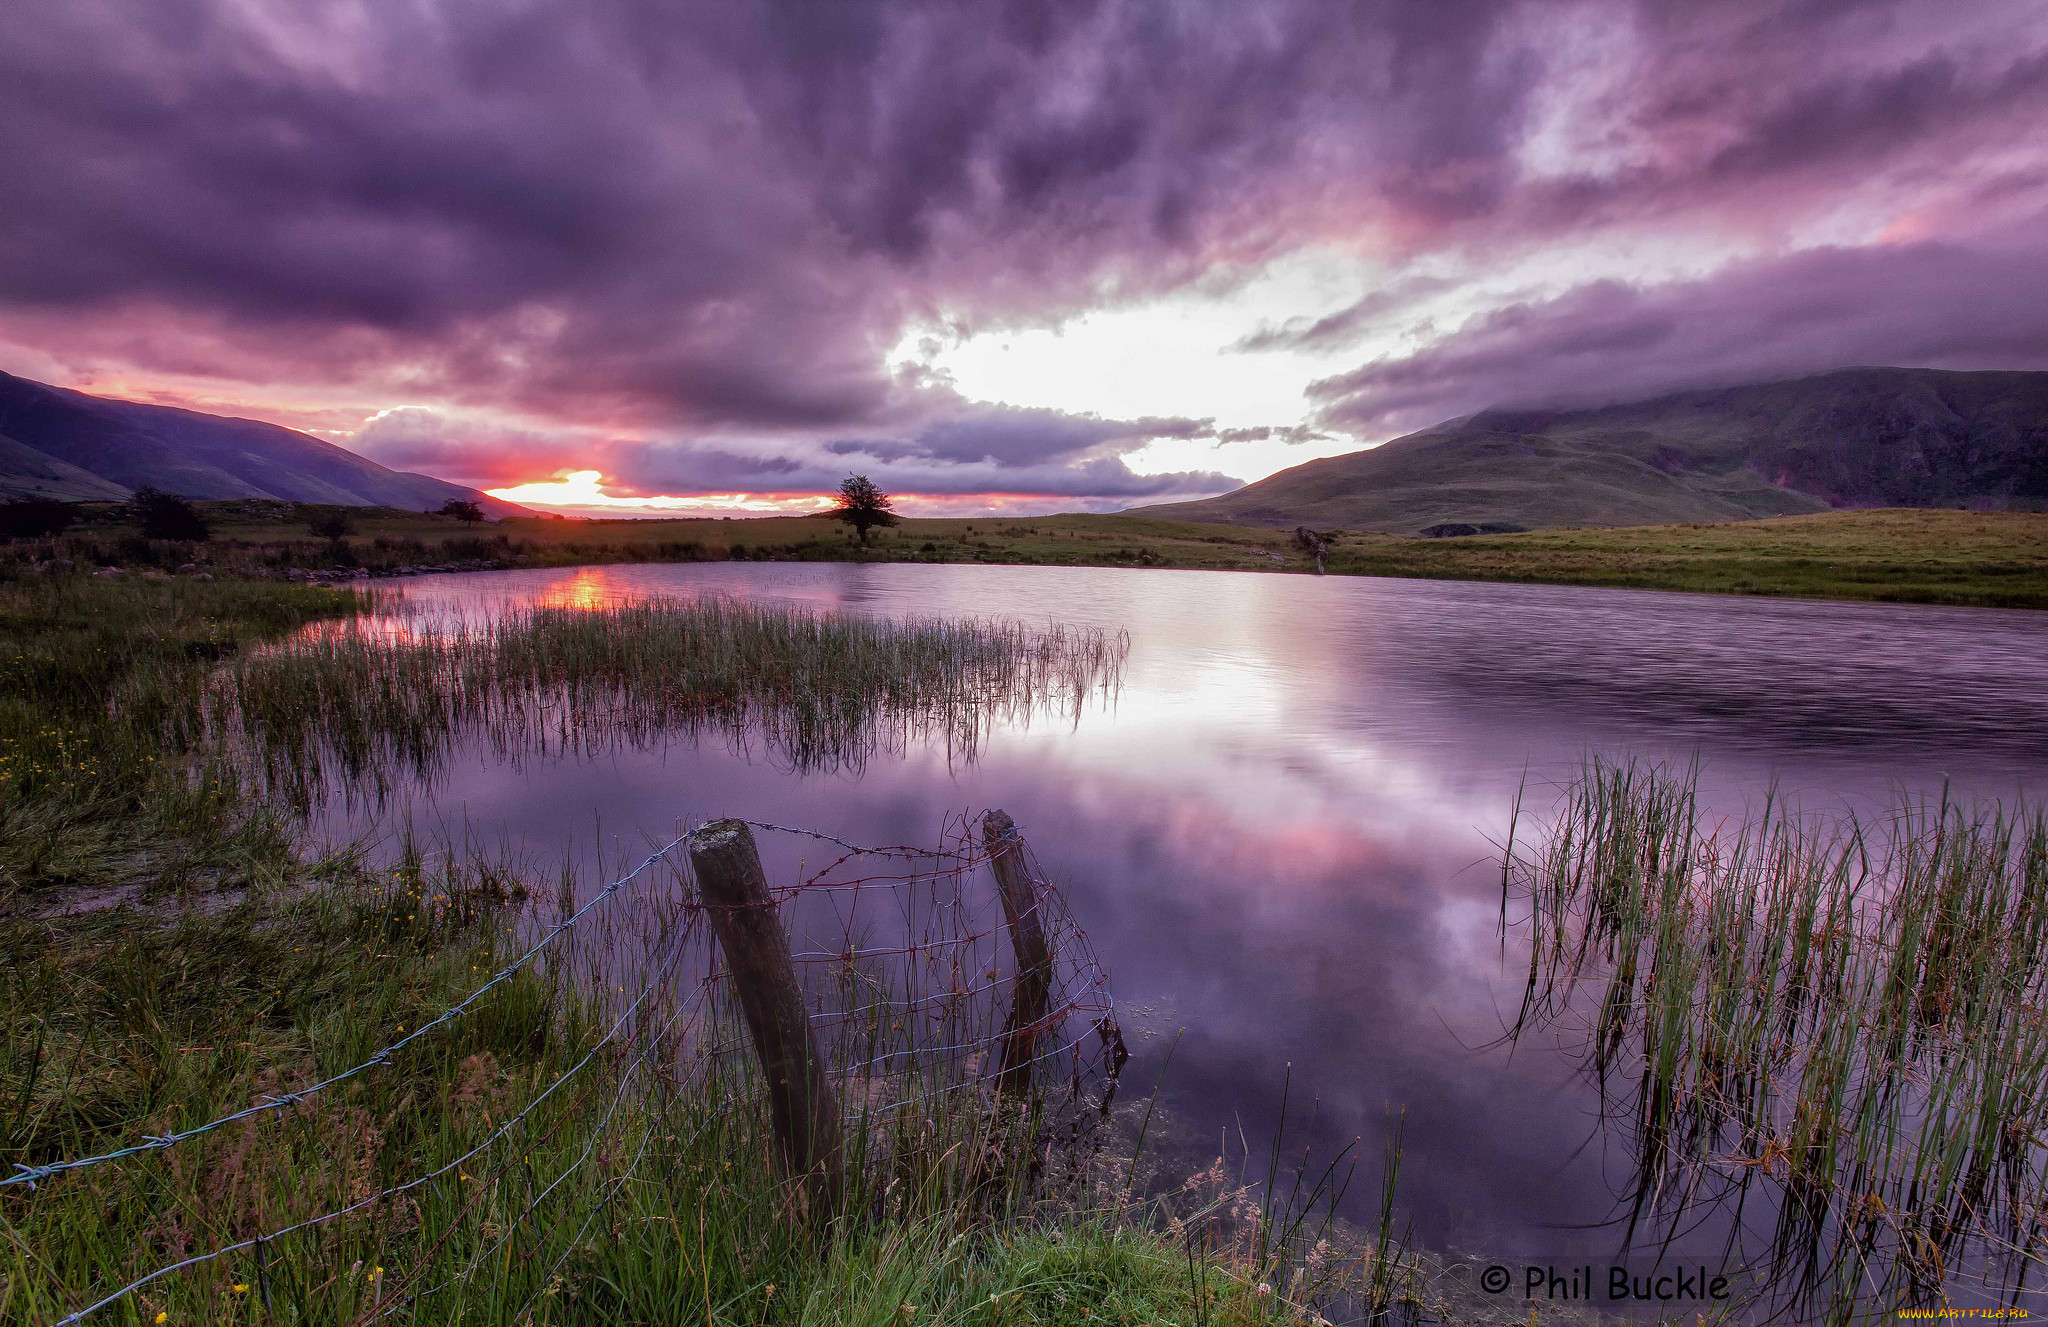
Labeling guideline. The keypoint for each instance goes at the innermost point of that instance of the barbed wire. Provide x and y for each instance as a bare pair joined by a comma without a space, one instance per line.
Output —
597,1131
375,1198
965,942
32,1175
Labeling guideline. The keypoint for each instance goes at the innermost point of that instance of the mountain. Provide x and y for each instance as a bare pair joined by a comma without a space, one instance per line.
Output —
57,443
1868,437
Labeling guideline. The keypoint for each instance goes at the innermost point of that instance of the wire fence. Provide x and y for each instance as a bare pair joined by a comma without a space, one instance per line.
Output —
960,1060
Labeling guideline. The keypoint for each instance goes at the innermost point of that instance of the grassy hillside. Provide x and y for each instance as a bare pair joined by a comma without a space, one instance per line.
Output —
1995,559
1857,438
1480,476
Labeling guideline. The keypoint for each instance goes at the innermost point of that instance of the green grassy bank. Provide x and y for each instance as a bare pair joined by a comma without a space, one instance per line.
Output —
1993,559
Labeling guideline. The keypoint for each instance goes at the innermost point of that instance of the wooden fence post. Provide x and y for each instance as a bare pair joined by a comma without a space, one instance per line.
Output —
742,912
1019,893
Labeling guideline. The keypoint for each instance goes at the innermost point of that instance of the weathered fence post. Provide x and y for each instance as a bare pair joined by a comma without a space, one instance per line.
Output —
742,912
1019,893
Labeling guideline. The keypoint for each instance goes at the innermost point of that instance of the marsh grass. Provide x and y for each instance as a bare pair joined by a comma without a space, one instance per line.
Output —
92,672
373,699
1836,1020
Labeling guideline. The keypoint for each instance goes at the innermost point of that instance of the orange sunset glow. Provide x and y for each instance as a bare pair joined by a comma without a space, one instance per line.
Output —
583,491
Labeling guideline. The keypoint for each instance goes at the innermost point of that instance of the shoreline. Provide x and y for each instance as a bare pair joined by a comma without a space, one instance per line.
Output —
1955,558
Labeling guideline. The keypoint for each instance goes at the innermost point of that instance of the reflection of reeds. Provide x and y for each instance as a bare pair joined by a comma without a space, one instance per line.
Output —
818,690
1844,1016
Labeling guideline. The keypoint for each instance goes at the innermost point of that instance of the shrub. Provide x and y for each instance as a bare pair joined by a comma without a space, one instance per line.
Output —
166,516
331,524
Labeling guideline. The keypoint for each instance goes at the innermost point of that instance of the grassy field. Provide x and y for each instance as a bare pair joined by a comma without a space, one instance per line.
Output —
1996,559
1078,540
1993,559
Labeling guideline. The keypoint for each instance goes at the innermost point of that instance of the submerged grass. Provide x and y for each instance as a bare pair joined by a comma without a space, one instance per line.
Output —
368,699
1841,1018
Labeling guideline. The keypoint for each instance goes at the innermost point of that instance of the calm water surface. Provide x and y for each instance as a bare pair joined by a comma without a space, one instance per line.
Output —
1280,835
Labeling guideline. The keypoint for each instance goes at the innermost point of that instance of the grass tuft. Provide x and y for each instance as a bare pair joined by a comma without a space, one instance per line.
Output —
1838,1018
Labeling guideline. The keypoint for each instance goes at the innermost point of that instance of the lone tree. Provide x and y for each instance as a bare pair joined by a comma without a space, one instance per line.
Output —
166,516
462,510
863,506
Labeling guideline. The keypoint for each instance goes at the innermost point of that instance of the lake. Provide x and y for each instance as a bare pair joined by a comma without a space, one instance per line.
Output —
1281,834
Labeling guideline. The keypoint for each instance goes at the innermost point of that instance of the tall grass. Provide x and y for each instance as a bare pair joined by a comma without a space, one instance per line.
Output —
372,698
1839,1017
590,1144
92,795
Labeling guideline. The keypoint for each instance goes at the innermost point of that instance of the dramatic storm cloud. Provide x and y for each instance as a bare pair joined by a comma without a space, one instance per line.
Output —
1051,255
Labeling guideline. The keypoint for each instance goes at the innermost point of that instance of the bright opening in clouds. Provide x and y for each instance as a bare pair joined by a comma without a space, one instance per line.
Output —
635,258
583,492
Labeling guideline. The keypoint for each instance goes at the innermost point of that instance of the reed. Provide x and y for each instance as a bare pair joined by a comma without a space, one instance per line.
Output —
374,698
1840,1016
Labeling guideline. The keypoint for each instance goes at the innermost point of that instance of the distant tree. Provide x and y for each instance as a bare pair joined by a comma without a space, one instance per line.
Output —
461,510
331,524
166,516
1315,545
35,518
863,506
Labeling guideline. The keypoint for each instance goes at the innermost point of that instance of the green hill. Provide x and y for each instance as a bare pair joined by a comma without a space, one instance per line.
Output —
1854,438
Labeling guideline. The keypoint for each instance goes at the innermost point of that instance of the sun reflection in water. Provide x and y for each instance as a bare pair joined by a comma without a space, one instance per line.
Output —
589,589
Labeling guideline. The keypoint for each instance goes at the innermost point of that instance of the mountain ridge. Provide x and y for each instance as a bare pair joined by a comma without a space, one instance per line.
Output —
1850,438
59,443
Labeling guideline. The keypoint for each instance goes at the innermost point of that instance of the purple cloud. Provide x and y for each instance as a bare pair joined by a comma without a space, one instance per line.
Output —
972,450
648,229
1927,305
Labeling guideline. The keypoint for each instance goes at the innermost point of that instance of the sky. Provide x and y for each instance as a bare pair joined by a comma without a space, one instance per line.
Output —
634,257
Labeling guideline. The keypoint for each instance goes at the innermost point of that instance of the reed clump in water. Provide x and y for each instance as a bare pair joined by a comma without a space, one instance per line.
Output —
819,690
1845,1014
